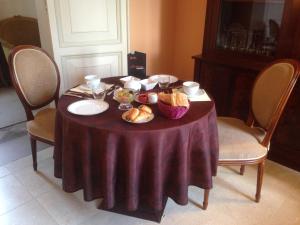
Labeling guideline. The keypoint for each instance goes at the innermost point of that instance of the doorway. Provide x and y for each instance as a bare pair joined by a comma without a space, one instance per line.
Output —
18,26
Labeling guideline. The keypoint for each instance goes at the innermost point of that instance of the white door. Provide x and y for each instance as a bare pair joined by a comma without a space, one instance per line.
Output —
88,37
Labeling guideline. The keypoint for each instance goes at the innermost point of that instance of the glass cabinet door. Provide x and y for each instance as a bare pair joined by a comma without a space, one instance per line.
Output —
250,26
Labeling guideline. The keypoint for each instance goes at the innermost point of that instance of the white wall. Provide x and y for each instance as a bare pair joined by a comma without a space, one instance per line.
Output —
44,27
9,8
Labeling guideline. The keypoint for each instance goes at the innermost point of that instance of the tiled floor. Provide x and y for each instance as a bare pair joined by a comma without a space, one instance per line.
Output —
30,198
15,143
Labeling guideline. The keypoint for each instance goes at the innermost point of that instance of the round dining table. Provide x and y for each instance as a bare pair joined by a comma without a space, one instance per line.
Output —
133,166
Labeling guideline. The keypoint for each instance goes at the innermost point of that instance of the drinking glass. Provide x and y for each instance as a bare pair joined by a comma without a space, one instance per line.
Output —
99,91
164,81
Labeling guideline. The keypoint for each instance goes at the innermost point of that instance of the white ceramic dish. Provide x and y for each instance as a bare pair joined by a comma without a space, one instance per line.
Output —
133,85
128,78
190,87
88,107
151,117
136,98
173,79
148,84
85,87
198,93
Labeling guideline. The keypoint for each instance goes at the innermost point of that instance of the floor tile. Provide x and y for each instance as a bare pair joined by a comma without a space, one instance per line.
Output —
66,208
31,213
15,144
41,181
20,164
3,171
12,194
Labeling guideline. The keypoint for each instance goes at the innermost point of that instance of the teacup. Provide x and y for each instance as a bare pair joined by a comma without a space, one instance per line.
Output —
152,97
92,80
190,87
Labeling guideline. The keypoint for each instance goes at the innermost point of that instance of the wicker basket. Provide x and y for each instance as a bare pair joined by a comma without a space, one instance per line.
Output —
172,112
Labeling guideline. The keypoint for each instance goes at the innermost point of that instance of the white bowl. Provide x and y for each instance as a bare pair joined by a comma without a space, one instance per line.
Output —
190,87
148,84
173,79
133,85
128,78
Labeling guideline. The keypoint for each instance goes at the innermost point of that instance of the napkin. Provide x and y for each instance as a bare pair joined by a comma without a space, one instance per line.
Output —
200,98
84,90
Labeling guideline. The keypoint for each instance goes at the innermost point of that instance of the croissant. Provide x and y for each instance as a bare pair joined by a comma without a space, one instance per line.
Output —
142,116
145,108
132,114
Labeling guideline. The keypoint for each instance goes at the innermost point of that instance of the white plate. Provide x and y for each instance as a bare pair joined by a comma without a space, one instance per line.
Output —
151,117
173,79
88,107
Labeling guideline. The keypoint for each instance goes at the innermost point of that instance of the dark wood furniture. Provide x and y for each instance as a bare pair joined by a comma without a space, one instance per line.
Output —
264,114
4,71
233,55
31,66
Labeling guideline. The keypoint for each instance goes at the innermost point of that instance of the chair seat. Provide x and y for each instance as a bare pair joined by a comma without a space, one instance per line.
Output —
43,125
237,141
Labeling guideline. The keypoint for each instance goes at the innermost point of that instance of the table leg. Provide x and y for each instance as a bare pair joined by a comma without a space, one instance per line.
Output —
205,201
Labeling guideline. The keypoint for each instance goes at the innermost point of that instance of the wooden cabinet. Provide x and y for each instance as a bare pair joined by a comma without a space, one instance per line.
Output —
242,37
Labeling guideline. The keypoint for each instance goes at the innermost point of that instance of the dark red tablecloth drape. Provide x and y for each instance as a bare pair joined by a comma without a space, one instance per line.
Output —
111,159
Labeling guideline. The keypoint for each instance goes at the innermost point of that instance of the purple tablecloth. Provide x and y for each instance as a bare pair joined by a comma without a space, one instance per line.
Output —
111,159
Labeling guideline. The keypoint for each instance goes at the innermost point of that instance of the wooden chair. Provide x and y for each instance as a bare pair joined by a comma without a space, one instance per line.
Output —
36,79
248,143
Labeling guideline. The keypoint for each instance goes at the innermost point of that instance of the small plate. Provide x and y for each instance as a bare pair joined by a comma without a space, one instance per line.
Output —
84,87
136,98
173,79
88,107
151,117
198,93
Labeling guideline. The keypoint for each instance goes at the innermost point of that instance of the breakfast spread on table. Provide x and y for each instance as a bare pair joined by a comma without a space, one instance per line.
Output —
172,105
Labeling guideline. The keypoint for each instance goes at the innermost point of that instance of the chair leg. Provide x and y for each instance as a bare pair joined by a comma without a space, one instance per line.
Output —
242,170
33,152
205,201
260,173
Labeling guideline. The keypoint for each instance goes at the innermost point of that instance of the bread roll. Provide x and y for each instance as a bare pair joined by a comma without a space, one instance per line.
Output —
174,99
182,100
142,116
132,114
145,109
164,98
